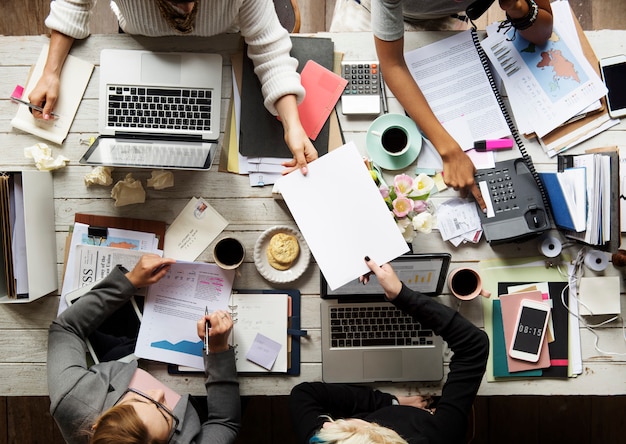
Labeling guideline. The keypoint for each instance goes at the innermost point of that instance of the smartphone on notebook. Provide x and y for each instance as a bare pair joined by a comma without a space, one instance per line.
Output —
530,329
613,74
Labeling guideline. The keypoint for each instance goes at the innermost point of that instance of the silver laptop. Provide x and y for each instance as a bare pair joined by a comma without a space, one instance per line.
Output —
366,339
157,110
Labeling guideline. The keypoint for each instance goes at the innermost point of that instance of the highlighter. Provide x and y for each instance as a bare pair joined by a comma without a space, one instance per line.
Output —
493,145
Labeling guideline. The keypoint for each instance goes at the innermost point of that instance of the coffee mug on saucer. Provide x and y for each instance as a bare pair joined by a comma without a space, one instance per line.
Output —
393,141
466,284
229,253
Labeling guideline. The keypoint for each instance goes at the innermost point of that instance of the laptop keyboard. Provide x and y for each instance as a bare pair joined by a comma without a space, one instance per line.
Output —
159,108
373,326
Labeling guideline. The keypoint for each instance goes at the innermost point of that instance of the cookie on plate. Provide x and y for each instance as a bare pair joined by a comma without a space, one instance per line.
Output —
282,251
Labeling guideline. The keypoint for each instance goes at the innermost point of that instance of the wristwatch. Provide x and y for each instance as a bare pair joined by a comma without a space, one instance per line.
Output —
527,21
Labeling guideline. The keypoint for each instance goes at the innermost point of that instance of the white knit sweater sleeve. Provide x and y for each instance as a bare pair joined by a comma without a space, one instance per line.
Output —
268,47
70,17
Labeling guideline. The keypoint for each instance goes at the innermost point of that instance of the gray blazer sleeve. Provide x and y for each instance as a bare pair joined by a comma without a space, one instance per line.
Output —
70,380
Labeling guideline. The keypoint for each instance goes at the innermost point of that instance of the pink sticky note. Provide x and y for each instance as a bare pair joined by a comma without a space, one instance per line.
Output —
18,91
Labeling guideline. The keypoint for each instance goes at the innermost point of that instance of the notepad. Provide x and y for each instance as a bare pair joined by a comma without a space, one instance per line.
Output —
259,333
73,82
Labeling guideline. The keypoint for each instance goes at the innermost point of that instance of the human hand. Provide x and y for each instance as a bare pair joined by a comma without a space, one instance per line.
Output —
150,269
417,401
386,277
301,147
458,173
220,326
45,94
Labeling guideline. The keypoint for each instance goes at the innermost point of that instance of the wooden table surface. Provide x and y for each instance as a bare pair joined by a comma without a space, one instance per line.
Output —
23,327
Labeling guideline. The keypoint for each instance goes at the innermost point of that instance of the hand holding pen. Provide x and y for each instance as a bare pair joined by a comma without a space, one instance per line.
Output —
214,329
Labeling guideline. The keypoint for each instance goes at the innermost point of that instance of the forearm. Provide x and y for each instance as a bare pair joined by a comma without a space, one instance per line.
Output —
407,92
223,401
541,30
287,108
60,45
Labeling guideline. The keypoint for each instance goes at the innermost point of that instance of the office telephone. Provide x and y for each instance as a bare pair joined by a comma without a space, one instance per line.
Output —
515,206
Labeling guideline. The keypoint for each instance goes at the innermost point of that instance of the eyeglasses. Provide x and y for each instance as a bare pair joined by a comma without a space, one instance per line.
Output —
166,412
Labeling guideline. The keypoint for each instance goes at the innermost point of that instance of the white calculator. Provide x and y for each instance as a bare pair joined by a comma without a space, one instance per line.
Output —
362,94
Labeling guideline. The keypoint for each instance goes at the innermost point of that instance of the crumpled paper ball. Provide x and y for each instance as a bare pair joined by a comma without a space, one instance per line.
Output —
42,155
99,176
128,191
161,179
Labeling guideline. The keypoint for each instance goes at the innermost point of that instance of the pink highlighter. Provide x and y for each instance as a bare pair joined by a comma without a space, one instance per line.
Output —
493,145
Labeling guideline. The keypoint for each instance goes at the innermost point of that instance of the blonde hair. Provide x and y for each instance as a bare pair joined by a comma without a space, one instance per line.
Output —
120,424
341,431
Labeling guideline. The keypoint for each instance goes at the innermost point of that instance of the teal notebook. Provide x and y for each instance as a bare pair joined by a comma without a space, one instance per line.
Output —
500,366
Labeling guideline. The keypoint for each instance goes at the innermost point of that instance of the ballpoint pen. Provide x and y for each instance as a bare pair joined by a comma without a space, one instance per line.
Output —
207,324
32,106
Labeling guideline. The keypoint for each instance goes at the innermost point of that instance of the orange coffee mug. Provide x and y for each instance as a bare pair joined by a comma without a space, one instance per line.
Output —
466,284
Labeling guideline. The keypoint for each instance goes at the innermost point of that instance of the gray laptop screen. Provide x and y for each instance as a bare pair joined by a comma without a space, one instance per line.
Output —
425,273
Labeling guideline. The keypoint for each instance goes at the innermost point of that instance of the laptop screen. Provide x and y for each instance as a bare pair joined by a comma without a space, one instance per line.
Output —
425,273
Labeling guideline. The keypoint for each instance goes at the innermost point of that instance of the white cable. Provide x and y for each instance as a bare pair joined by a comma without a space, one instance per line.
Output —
578,270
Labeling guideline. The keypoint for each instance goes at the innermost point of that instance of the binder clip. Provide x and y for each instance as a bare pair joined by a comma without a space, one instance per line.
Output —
97,235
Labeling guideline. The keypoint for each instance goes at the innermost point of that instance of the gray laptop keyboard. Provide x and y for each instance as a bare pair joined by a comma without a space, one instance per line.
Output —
354,326
159,108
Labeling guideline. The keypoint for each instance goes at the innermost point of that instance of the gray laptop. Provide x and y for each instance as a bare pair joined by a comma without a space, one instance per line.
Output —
157,110
367,339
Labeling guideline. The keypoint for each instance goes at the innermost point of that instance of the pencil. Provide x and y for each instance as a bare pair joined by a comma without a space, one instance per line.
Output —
206,331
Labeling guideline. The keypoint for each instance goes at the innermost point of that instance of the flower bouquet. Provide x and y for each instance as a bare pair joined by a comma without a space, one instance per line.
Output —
408,201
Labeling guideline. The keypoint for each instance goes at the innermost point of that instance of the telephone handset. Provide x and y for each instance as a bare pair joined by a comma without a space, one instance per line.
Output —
515,207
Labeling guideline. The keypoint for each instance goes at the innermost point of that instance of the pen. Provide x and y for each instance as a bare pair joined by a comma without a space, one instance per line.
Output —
492,145
31,106
383,92
207,324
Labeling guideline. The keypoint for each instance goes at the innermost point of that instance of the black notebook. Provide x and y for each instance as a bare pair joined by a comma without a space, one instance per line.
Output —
261,133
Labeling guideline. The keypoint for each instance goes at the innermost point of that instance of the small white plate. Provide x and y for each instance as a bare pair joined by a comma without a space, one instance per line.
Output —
272,274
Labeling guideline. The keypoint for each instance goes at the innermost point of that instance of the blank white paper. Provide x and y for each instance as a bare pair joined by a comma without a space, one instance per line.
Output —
342,215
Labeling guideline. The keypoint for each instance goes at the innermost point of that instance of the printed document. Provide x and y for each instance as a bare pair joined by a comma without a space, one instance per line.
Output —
547,85
174,305
452,78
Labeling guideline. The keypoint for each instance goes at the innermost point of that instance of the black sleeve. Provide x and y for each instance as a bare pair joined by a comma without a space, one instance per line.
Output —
310,401
467,366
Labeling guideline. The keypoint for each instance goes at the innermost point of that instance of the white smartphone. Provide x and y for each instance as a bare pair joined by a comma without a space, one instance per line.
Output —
115,339
530,330
613,73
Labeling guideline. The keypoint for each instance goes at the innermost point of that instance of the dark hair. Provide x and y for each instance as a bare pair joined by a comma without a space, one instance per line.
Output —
121,424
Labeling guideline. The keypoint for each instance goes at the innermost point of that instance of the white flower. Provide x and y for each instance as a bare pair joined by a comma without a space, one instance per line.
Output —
422,185
424,222
406,229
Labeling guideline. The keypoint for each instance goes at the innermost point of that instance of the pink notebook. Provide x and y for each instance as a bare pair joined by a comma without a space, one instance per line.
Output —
510,306
323,89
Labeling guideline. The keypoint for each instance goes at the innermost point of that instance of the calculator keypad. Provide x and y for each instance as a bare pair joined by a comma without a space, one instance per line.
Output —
363,78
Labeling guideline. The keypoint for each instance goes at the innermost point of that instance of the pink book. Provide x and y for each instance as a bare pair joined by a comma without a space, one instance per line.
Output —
510,304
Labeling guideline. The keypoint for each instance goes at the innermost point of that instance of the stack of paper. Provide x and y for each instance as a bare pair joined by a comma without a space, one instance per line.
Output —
549,85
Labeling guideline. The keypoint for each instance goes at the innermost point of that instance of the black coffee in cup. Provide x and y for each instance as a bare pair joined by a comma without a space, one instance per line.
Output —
464,282
394,139
228,252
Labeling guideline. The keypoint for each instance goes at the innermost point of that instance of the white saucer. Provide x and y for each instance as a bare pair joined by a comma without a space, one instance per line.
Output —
375,148
272,274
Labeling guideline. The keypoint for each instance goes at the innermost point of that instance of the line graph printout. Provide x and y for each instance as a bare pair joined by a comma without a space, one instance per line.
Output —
174,305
